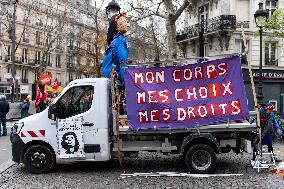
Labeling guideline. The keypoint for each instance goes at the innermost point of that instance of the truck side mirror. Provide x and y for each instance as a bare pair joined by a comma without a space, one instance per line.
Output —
52,112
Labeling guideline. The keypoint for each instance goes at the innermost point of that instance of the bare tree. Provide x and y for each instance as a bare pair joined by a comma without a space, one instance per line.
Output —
94,35
169,10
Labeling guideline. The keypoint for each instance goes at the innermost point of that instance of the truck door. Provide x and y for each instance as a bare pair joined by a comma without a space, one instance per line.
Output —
79,102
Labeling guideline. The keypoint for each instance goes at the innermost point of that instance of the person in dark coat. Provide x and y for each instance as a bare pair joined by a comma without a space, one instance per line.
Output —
25,106
4,109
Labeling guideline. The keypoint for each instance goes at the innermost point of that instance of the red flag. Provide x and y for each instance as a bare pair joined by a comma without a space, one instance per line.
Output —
55,85
38,95
45,79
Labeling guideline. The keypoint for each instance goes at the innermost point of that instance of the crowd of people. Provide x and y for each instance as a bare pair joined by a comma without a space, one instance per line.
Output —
24,107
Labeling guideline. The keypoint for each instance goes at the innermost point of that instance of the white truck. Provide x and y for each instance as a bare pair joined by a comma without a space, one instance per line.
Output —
34,138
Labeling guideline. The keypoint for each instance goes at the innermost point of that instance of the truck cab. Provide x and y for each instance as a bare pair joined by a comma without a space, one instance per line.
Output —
34,138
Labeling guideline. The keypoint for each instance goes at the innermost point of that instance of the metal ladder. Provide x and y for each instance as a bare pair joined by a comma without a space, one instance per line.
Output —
262,163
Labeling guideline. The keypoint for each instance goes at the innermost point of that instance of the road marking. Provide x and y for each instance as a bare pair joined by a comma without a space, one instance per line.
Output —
6,165
4,149
175,174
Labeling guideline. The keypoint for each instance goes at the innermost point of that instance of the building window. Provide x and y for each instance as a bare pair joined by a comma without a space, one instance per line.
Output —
203,15
49,23
26,2
26,35
240,49
38,20
71,42
78,44
58,10
25,56
9,69
58,42
58,61
38,38
271,54
48,41
59,26
206,50
25,75
38,4
70,62
37,57
9,58
26,16
271,6
49,6
2,29
47,58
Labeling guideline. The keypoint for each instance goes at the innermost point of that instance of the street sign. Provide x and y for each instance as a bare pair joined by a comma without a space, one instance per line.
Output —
24,89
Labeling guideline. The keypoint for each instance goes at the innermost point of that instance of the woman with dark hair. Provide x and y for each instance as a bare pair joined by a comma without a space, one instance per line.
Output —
70,143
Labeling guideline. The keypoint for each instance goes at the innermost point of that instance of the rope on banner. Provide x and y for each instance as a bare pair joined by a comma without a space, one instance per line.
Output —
253,89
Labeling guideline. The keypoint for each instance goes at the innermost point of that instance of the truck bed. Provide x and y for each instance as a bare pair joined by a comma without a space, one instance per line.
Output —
232,126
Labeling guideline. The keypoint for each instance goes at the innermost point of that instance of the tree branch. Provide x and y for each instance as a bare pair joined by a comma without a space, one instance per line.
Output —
181,9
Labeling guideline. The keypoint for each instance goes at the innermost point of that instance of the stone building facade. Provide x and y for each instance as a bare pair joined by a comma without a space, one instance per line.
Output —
56,37
222,21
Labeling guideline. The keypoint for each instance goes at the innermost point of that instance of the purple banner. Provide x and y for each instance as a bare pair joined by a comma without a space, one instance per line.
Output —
179,97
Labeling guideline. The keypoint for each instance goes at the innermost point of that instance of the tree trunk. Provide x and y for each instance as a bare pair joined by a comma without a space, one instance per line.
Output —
172,44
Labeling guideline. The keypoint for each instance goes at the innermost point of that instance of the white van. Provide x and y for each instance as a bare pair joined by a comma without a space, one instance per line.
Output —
35,141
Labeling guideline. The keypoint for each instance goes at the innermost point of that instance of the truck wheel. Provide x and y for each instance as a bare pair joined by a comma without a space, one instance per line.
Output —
39,159
200,158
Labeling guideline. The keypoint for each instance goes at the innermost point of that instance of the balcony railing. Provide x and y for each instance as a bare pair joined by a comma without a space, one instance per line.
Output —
221,22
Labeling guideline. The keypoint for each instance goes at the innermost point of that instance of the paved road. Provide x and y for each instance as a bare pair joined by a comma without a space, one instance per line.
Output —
107,175
5,146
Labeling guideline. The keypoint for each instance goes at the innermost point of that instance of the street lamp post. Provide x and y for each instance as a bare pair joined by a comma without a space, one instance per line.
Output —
12,35
201,39
260,17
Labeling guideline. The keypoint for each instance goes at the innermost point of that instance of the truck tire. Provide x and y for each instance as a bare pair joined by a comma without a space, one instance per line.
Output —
39,159
200,159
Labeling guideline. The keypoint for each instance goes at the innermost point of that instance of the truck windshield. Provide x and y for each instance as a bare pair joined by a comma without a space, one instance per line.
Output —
75,101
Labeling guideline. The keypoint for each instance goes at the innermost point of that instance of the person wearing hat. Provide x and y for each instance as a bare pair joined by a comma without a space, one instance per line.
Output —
269,127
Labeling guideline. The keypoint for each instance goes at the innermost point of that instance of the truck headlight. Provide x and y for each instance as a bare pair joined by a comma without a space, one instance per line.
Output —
17,127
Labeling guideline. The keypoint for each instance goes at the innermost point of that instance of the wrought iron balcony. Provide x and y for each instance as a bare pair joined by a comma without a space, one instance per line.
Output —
221,22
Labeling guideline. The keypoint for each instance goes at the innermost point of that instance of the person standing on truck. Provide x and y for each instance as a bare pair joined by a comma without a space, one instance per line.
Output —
4,109
269,127
117,52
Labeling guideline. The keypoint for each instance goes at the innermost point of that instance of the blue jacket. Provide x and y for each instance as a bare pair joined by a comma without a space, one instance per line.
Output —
268,127
116,54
